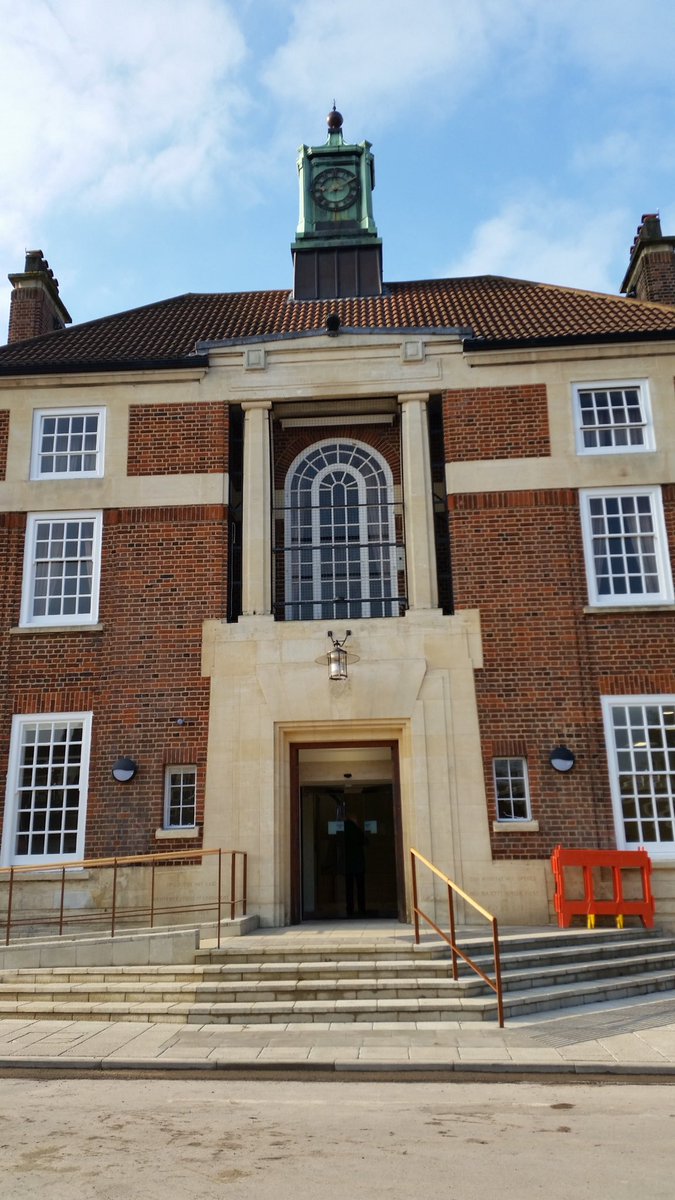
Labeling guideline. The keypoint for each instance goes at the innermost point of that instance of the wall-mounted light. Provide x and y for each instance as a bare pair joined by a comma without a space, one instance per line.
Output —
124,770
337,657
561,759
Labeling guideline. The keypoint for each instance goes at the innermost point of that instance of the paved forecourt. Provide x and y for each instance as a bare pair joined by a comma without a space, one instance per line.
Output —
635,1037
628,1036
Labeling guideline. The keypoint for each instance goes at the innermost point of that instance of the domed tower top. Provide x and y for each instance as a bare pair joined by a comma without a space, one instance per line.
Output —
334,122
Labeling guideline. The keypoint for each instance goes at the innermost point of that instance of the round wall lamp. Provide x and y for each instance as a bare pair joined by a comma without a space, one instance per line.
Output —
124,770
561,759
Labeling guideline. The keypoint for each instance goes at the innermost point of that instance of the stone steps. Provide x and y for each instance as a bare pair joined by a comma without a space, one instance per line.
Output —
633,955
290,981
299,980
545,999
468,1008
545,946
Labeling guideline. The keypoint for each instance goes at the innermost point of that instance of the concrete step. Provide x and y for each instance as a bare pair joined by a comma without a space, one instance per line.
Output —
570,972
570,995
285,980
251,1012
296,948
594,953
459,1007
585,951
347,988
297,978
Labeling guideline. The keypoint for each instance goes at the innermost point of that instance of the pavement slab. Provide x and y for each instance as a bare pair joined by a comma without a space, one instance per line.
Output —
631,1047
519,1047
631,1035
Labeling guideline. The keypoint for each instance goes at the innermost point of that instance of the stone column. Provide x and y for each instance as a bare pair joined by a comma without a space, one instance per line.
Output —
418,502
256,511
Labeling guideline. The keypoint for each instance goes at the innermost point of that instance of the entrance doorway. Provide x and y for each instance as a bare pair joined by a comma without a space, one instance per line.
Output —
348,852
346,832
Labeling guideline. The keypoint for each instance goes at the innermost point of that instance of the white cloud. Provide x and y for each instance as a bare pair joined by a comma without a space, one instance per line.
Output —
149,100
372,56
380,57
112,102
548,241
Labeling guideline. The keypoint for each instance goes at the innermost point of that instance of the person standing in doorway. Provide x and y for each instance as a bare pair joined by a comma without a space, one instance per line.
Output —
355,865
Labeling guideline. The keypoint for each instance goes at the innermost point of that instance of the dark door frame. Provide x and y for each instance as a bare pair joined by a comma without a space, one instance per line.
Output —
295,823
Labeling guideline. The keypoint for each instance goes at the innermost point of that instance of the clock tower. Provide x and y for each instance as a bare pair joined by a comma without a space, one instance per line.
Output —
336,251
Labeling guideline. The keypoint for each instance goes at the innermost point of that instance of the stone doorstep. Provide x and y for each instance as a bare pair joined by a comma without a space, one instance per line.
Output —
287,944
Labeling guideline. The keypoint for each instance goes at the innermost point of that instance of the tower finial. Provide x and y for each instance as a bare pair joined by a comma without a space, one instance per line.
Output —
334,120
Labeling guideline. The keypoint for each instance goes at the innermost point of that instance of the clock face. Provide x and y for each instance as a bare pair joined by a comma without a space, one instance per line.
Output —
335,189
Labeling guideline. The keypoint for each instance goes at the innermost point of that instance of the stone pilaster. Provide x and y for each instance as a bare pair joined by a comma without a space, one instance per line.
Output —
257,513
418,502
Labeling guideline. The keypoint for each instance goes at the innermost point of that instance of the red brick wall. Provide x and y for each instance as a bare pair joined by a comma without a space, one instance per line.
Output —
518,557
288,443
496,422
4,438
177,439
655,277
164,571
31,313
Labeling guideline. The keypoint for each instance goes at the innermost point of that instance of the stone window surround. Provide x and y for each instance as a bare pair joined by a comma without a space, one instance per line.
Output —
170,771
502,819
645,425
39,416
663,851
417,501
27,618
19,722
664,594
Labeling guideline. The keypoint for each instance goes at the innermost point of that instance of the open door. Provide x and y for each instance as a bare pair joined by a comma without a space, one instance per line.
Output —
347,858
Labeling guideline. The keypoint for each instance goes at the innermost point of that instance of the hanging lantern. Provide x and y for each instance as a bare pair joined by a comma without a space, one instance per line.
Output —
337,657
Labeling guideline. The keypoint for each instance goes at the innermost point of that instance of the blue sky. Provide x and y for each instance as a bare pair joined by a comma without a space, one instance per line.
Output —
148,147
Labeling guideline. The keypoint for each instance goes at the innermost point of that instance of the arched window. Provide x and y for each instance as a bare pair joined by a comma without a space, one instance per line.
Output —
340,534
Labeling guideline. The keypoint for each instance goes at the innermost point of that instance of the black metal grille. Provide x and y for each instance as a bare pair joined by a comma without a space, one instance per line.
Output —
340,563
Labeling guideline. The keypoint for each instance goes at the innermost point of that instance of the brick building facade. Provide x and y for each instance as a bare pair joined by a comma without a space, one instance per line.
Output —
470,483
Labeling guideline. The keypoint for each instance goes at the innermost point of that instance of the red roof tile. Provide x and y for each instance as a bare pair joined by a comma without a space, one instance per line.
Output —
491,307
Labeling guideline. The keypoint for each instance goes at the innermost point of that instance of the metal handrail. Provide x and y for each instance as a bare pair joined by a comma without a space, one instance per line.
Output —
238,879
496,983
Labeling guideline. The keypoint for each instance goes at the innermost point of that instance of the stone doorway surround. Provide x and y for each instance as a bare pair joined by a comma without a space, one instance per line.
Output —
412,686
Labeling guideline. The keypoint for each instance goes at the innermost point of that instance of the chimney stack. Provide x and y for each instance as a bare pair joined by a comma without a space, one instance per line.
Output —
651,271
35,306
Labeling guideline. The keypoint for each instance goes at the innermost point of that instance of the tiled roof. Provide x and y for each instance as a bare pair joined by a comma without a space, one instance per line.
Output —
493,308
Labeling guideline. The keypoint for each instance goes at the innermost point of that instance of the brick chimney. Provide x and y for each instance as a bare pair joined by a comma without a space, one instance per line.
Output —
35,306
651,271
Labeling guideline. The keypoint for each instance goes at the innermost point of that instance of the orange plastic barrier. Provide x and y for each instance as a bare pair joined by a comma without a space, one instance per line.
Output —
591,906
